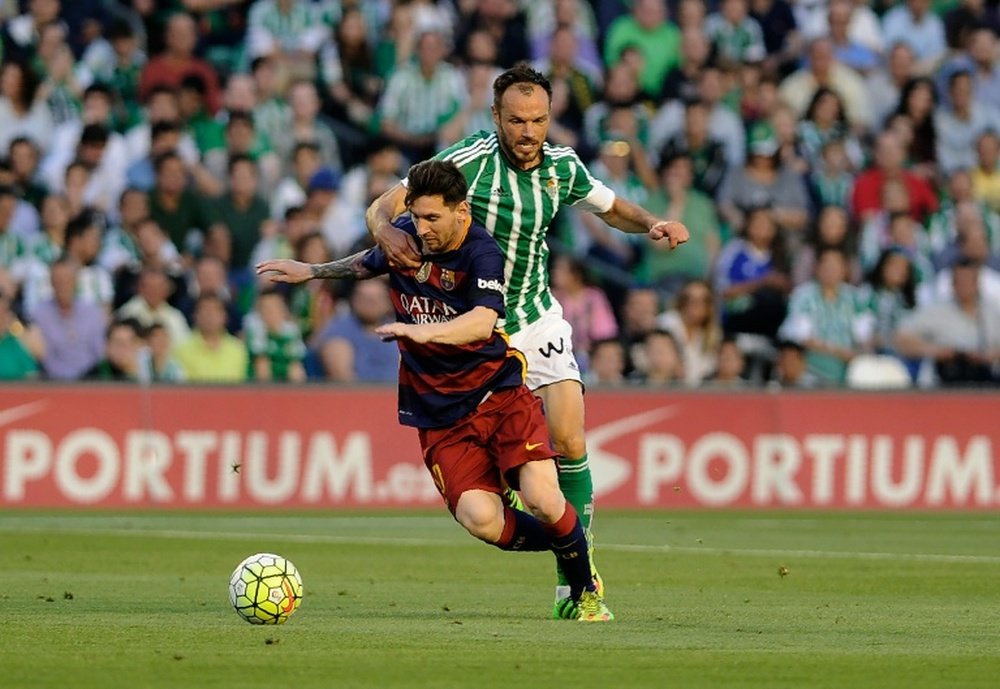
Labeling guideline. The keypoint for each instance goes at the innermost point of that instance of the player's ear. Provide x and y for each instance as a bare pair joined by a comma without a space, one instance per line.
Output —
463,209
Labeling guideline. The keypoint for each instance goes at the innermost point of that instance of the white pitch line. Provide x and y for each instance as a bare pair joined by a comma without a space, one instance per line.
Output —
418,542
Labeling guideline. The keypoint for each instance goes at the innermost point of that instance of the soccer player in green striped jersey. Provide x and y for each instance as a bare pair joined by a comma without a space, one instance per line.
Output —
517,182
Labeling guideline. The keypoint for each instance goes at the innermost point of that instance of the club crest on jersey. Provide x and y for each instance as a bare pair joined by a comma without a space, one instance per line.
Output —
447,279
552,189
424,272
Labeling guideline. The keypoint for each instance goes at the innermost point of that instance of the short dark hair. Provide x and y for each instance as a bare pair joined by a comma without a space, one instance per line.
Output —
436,178
83,221
238,159
521,73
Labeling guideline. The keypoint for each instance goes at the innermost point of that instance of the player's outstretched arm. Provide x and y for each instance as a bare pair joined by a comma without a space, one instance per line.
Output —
628,217
399,247
287,270
472,326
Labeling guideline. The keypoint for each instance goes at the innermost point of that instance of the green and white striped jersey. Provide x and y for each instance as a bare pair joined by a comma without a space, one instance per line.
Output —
516,207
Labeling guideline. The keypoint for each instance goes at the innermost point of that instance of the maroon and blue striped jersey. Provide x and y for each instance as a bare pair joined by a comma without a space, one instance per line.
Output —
439,384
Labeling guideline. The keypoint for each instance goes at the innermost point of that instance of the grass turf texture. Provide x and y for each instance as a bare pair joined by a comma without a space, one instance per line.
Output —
703,599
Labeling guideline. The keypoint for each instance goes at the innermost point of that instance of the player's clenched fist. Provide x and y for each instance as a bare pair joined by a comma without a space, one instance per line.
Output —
673,231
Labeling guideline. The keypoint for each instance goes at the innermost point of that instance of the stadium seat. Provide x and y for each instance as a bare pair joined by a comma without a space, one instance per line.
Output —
877,372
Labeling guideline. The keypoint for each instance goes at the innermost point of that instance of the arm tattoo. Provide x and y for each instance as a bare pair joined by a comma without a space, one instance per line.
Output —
349,267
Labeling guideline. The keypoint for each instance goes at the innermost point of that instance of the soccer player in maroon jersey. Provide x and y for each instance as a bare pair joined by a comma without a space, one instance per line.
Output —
461,385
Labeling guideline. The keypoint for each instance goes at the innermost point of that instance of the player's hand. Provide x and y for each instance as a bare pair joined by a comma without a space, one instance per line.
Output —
399,248
285,270
394,331
673,231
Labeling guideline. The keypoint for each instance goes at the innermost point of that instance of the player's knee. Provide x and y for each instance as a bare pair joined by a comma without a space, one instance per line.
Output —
569,444
546,504
481,516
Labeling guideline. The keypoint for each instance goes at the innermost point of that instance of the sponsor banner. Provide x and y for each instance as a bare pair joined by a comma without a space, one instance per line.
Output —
322,447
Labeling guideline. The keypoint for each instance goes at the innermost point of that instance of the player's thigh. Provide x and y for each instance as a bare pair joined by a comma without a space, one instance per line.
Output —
481,513
564,413
459,462
517,433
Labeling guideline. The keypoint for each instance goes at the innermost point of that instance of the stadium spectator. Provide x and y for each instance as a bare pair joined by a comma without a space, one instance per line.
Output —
751,277
348,346
244,215
72,328
123,341
657,39
314,303
890,157
706,154
478,72
575,89
18,352
274,341
884,84
421,98
607,364
571,23
305,125
677,198
164,137
823,69
22,112
985,174
156,363
890,292
829,318
347,69
179,210
764,183
961,123
162,105
736,35
288,31
24,157
292,190
83,244
782,39
696,330
210,354
724,125
150,305
728,374
178,61
831,229
826,122
914,23
658,360
790,368
585,307
21,32
209,277
960,336
849,49
639,310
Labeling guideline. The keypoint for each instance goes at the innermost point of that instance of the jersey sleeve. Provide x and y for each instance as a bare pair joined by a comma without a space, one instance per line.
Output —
486,282
586,192
374,261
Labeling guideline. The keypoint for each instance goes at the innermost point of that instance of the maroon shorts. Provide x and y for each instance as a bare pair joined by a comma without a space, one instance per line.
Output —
480,450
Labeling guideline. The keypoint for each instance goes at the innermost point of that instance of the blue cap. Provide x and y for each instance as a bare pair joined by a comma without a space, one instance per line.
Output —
324,179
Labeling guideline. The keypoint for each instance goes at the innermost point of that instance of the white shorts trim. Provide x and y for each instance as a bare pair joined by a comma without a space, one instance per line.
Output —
547,345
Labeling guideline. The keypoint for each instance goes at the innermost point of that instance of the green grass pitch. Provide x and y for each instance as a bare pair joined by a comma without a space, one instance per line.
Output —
704,599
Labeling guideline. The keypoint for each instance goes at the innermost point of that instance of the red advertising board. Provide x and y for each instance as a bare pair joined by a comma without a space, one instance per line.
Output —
324,447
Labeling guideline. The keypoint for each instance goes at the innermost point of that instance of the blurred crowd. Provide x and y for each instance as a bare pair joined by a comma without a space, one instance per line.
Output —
837,164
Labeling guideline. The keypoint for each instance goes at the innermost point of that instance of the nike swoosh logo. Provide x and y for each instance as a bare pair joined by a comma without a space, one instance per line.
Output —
531,446
609,471
23,411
